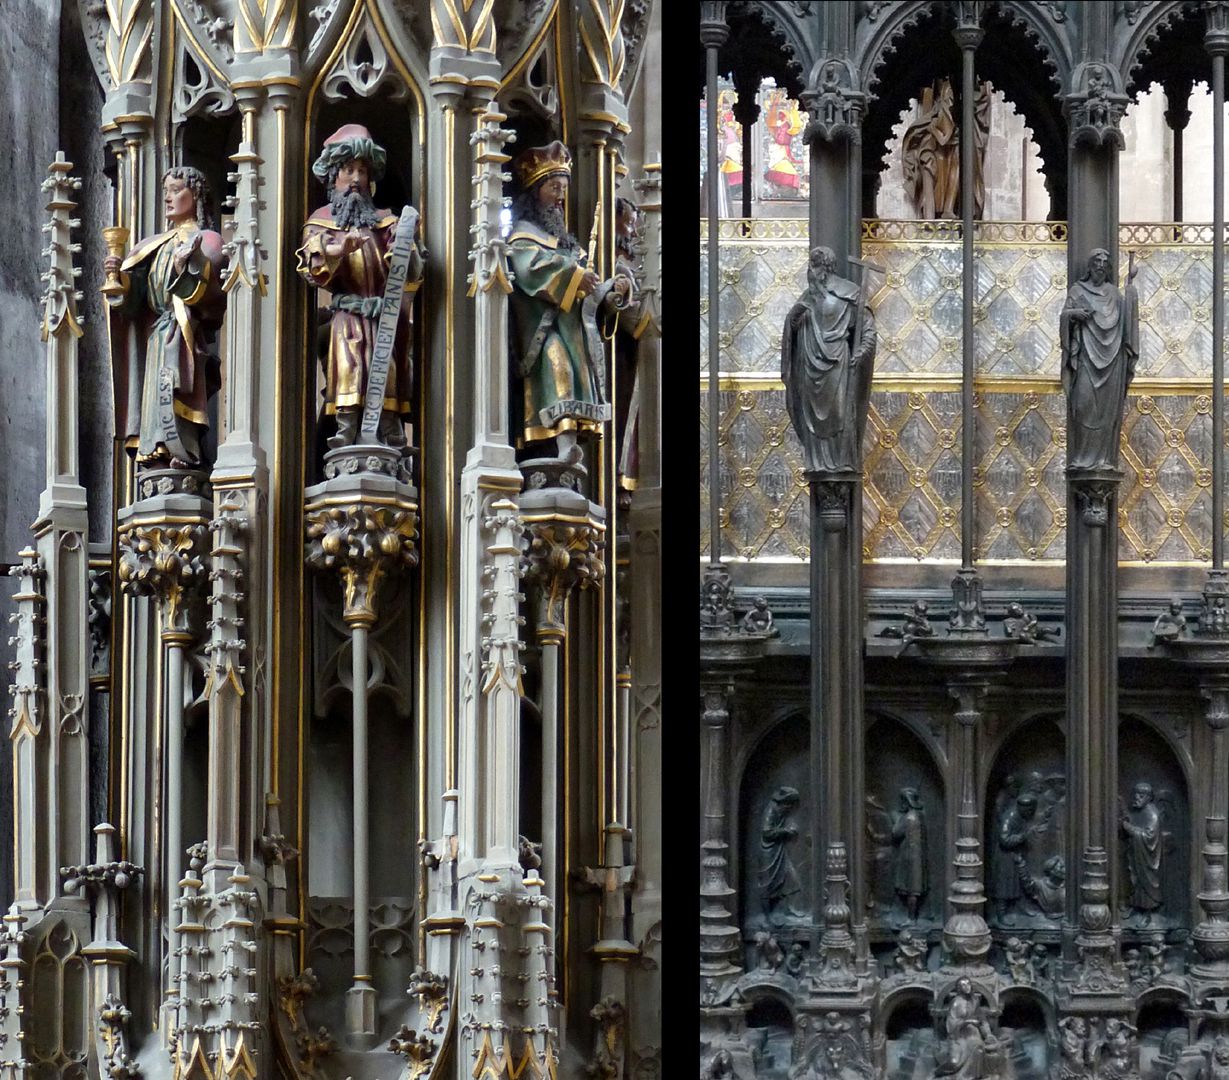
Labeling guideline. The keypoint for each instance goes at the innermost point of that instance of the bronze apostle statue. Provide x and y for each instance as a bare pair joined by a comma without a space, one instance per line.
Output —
167,305
349,248
556,299
1099,337
827,358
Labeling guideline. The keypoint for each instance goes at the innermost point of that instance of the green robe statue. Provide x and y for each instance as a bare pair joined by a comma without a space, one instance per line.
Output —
555,336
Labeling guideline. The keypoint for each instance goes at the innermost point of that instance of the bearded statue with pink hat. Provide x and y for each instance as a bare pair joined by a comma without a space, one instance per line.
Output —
350,248
556,302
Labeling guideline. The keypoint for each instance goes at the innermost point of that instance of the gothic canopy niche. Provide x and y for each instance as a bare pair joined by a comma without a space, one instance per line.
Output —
759,47
1165,45
905,835
1025,829
1025,59
527,56
776,854
1155,833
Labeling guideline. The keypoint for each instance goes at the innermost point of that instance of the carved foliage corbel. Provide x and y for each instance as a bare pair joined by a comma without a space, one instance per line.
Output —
363,543
562,556
166,561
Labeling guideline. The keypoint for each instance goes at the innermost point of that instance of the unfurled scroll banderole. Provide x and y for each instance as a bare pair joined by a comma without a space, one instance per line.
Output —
386,328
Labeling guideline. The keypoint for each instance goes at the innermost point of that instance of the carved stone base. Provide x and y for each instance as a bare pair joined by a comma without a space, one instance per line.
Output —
543,473
370,458
361,1017
153,483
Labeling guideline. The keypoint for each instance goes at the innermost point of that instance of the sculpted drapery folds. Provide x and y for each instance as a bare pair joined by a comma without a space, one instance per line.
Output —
555,300
164,322
909,836
1099,336
1143,843
347,248
826,365
778,880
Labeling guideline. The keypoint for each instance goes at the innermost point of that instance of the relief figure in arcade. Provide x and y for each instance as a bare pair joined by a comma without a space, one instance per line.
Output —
778,880
1027,873
909,836
351,248
827,358
1099,336
1144,850
167,305
556,300
1049,891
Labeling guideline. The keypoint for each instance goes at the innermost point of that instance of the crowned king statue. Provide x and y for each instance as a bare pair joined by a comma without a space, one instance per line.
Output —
555,303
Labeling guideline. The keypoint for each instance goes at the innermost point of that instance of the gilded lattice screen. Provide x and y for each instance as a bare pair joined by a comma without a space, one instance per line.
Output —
913,460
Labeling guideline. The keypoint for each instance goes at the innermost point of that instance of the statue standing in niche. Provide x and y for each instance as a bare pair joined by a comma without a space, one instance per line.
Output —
555,301
909,836
1099,336
347,248
778,879
170,299
1144,849
827,357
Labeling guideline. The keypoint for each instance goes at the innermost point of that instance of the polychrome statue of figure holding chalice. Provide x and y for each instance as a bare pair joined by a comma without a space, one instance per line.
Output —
167,304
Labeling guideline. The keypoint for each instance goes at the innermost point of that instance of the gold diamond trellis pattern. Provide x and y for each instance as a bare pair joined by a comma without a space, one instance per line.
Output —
911,509
911,505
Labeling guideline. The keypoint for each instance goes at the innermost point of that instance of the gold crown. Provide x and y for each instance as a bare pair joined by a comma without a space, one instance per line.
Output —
539,162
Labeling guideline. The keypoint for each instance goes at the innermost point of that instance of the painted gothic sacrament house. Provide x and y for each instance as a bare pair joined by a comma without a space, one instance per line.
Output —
336,752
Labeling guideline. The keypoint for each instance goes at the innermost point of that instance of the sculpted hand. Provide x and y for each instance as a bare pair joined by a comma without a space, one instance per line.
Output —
111,264
346,243
588,283
185,251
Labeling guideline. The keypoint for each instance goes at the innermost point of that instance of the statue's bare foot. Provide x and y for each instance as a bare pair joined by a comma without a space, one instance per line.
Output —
180,463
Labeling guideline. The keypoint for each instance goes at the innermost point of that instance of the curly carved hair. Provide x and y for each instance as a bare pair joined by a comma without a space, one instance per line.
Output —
201,193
